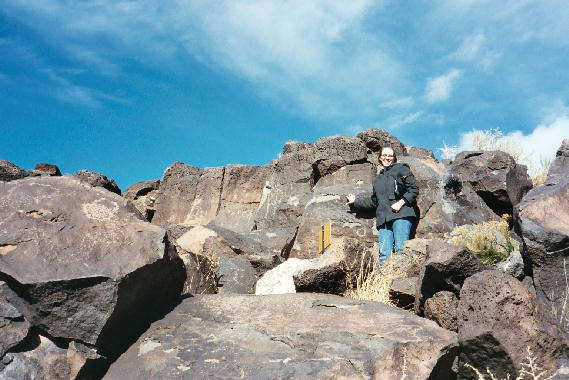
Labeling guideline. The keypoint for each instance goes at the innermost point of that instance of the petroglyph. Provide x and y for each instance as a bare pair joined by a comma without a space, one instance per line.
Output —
101,209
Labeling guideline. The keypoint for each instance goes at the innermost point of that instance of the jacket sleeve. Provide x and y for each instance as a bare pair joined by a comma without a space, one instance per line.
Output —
412,190
366,203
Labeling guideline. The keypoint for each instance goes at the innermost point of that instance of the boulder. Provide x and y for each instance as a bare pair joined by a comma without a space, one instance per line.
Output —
143,195
542,221
46,169
445,268
219,260
176,193
334,152
13,326
295,336
10,172
444,201
292,146
206,203
498,324
98,180
559,168
289,184
240,197
442,308
495,176
279,239
375,139
327,204
402,291
417,152
81,264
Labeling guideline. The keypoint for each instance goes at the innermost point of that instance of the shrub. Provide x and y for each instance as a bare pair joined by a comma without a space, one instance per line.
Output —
490,242
369,281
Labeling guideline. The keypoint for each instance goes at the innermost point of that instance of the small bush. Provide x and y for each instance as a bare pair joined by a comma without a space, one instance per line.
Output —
490,242
370,281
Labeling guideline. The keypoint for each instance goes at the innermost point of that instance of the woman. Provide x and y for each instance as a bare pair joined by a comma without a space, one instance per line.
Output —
394,193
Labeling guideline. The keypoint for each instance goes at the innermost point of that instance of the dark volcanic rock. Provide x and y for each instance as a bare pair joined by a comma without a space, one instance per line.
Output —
206,203
417,152
445,268
98,180
13,327
176,193
402,291
542,221
143,195
444,202
298,336
498,323
10,172
375,139
81,264
46,169
495,176
442,308
560,166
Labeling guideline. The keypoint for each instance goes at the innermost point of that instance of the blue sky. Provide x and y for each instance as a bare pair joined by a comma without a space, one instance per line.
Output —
125,88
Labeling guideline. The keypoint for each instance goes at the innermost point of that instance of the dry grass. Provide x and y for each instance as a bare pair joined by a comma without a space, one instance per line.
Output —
494,139
201,271
530,370
490,242
373,281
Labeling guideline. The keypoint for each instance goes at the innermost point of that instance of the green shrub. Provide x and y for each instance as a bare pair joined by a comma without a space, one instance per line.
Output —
490,242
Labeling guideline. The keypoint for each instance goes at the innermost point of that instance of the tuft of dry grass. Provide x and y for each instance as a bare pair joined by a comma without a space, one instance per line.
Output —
530,370
371,281
490,241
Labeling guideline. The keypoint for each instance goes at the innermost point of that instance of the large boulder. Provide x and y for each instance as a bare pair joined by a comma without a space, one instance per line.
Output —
498,324
98,180
444,201
206,202
375,139
542,221
10,172
279,239
445,268
240,197
45,169
296,336
81,264
218,260
176,193
495,176
143,195
560,166
334,152
442,308
13,326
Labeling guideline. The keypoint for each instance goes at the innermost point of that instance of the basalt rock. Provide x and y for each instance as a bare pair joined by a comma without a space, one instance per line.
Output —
542,221
375,139
446,267
176,193
442,308
296,336
98,180
45,169
498,323
80,263
559,168
206,203
143,195
10,172
495,176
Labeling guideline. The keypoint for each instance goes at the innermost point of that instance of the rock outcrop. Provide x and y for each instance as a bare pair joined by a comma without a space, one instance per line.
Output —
143,195
98,180
495,176
80,264
10,172
300,336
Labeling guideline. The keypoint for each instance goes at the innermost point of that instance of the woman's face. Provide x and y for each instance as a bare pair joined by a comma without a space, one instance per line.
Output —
386,157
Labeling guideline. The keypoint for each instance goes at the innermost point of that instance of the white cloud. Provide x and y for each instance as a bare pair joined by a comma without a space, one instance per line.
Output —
317,57
440,88
474,49
541,144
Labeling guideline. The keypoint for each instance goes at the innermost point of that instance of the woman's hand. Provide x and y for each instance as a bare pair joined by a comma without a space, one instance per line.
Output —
397,205
350,199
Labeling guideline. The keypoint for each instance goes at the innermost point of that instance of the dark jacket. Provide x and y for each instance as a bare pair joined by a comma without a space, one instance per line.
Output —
390,185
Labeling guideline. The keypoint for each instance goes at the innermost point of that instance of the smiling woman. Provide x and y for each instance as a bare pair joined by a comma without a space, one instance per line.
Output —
393,196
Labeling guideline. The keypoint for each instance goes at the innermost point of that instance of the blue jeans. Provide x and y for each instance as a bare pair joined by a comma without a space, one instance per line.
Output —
392,235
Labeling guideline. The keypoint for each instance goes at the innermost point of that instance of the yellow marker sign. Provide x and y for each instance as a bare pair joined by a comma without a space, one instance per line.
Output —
324,236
